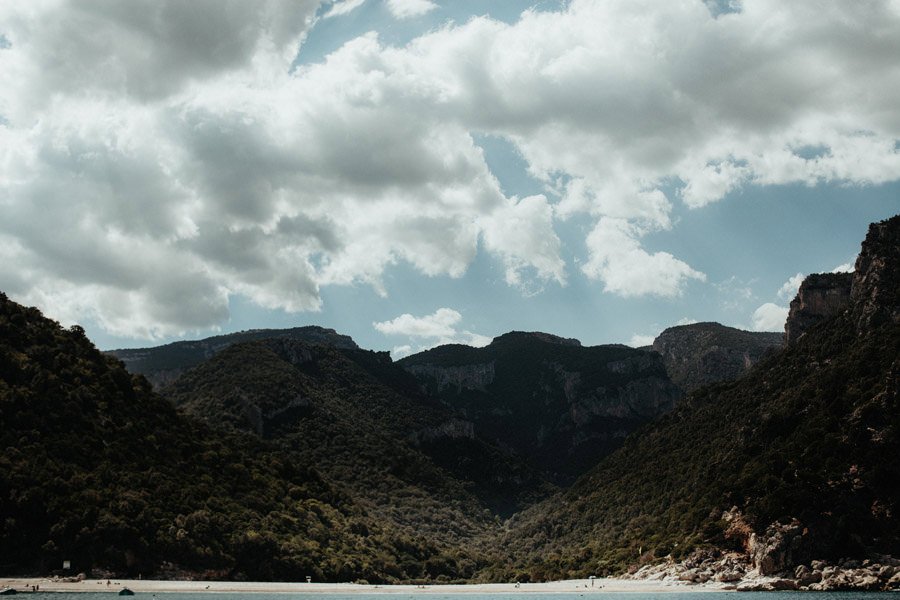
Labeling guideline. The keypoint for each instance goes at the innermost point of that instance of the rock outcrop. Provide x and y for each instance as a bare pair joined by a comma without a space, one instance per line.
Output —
871,292
820,296
733,571
875,290
550,400
704,353
464,377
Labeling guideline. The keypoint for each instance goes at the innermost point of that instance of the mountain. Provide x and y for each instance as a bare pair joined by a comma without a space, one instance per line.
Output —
365,423
559,405
162,365
702,353
99,470
791,463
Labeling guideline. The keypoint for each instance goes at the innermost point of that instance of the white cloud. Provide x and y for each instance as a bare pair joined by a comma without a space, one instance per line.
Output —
343,7
170,142
638,340
626,269
769,317
405,9
789,289
847,267
521,232
429,331
440,324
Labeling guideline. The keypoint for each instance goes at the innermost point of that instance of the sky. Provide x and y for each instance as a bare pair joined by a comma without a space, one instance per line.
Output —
419,172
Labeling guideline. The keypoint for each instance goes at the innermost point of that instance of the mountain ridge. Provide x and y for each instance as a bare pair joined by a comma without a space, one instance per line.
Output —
551,400
162,365
796,451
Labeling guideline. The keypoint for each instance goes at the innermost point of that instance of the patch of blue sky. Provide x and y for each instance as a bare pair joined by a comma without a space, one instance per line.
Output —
812,152
508,165
758,237
330,33
723,7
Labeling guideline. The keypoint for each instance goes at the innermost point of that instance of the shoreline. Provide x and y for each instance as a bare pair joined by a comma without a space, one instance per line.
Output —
571,586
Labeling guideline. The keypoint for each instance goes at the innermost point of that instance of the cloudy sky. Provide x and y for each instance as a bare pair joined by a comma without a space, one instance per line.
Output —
414,172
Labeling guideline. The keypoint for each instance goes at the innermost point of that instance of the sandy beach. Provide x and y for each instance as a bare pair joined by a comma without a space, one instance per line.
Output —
156,586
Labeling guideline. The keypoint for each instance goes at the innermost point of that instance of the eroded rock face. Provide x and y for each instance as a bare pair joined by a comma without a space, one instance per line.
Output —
820,296
704,353
548,398
876,280
458,378
778,548
871,292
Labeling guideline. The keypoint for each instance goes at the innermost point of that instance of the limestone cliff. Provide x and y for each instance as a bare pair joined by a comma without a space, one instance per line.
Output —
704,353
548,399
820,296
463,377
876,280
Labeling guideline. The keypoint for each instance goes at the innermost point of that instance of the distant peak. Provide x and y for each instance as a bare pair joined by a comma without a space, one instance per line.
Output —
548,338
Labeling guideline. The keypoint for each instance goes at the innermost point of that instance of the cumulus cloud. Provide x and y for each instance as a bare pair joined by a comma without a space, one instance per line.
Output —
789,289
521,233
405,9
626,269
429,331
343,7
638,340
173,153
769,317
847,267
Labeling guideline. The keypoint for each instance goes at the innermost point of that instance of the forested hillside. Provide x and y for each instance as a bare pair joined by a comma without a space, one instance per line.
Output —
807,438
99,470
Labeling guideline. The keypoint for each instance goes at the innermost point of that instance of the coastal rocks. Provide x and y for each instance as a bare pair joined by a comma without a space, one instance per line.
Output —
820,296
712,568
778,548
704,566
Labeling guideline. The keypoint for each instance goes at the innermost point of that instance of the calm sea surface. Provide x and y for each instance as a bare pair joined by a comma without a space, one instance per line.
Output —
679,595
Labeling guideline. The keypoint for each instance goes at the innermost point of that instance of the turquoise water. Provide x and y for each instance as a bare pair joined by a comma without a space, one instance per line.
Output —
674,595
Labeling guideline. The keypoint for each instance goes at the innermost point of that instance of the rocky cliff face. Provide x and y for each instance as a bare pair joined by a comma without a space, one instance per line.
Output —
464,377
820,296
550,400
704,353
163,365
875,289
871,292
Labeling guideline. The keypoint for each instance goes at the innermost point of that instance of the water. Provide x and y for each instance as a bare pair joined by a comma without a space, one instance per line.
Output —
434,595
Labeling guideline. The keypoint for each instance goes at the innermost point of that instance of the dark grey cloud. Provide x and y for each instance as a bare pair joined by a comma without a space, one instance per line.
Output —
149,49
